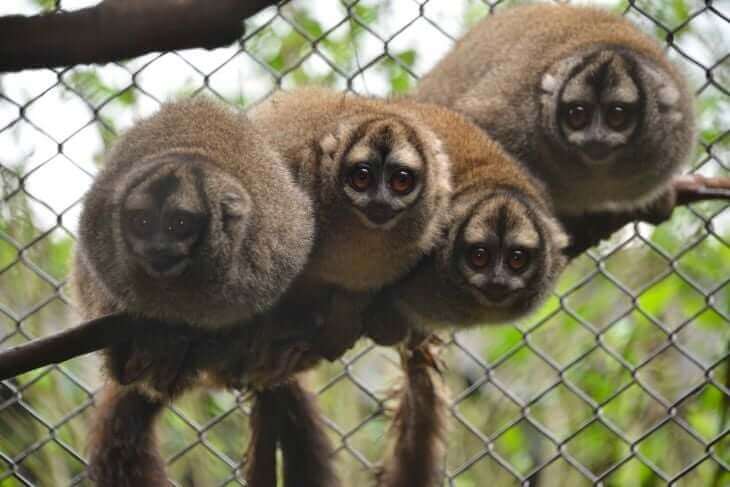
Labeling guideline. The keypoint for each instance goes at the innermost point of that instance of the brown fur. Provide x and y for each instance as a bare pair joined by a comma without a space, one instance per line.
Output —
315,129
318,130
435,293
286,414
260,470
257,234
419,427
122,445
511,93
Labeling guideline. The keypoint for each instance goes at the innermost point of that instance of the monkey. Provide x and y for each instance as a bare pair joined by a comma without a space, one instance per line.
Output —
196,224
380,186
376,178
501,251
589,103
500,254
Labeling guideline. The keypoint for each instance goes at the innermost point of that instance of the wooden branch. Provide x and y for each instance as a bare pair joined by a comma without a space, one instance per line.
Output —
87,337
120,29
113,329
588,230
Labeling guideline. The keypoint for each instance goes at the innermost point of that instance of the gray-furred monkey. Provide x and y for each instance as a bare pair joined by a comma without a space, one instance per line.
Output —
582,97
194,220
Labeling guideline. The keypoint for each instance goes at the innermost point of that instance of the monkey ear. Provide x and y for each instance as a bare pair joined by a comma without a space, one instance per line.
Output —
558,73
667,92
235,205
562,239
328,144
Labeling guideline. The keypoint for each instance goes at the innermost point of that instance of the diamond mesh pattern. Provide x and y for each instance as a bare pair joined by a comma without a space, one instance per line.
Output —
622,378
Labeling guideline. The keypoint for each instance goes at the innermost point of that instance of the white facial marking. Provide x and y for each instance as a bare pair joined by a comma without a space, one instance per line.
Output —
549,83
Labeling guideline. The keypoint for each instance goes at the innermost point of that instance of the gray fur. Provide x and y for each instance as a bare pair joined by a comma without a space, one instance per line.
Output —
514,94
259,229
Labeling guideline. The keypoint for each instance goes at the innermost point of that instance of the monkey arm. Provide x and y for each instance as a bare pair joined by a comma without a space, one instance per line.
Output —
588,230
120,29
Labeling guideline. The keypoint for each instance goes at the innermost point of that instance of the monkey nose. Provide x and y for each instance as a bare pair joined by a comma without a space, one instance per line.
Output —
165,264
496,292
379,213
597,150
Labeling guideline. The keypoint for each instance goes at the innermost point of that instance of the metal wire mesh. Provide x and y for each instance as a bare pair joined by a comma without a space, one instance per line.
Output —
620,379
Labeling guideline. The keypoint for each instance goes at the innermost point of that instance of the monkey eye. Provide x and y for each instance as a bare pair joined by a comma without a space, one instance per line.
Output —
518,259
618,116
141,223
360,178
183,224
402,182
577,115
478,257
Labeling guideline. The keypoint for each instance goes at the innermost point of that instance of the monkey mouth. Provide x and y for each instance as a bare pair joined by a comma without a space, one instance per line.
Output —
164,267
378,220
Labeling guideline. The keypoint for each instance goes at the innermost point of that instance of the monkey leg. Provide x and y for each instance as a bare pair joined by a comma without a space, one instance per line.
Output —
261,455
122,445
588,230
419,425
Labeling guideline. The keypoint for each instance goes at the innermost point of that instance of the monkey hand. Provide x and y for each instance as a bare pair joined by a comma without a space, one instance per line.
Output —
161,359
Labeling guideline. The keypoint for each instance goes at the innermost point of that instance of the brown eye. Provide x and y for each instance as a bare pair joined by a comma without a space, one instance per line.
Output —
402,182
518,259
478,257
360,178
141,223
618,116
577,116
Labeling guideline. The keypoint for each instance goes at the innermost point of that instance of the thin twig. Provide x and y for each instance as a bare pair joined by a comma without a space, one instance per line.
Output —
120,29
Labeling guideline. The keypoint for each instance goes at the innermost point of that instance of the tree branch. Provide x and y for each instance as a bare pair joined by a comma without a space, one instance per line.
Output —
87,337
113,329
120,29
588,230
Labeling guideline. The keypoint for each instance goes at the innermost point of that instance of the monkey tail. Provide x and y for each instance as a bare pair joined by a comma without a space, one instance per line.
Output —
288,414
419,424
122,446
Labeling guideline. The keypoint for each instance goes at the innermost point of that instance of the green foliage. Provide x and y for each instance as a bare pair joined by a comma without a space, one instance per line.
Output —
621,351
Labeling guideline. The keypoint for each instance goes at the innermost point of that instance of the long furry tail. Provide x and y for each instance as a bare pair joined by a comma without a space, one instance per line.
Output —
122,447
419,426
288,414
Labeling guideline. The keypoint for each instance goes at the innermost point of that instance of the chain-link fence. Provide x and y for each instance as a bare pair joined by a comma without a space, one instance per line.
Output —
622,378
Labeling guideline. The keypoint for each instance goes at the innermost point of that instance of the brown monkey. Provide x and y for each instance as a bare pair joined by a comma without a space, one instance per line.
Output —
380,186
193,221
499,257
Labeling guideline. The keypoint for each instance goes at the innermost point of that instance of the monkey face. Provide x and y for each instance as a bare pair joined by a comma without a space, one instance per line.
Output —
167,215
382,173
614,116
599,109
505,253
163,221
